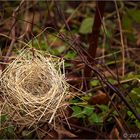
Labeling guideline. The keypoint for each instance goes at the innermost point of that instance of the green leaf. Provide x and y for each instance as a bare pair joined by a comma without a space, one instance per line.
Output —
3,118
135,14
112,81
54,51
58,50
86,26
115,113
70,11
76,109
70,55
77,112
137,123
138,110
104,108
86,98
43,44
94,83
109,34
132,75
136,90
67,64
134,95
88,111
10,129
94,118
129,113
74,101
127,23
61,49
125,86
131,37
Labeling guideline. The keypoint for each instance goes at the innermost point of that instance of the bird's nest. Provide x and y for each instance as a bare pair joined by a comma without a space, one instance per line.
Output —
33,88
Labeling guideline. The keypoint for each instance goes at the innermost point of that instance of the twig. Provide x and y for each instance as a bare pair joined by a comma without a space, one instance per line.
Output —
0,61
114,106
121,37
82,128
114,84
13,34
119,124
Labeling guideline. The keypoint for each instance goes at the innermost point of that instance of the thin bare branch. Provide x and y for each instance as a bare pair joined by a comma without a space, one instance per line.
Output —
13,36
121,38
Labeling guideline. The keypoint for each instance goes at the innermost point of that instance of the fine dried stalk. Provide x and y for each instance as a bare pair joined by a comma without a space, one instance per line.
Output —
121,38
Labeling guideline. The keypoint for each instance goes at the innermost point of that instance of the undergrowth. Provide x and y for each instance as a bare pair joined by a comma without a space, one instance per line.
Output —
96,107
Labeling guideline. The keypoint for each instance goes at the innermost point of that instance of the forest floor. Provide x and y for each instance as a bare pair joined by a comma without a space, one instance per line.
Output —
101,66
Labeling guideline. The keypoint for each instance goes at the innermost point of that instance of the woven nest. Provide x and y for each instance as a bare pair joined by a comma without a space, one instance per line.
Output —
33,88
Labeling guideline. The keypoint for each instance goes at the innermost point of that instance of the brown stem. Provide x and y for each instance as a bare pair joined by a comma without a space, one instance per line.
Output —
93,39
13,34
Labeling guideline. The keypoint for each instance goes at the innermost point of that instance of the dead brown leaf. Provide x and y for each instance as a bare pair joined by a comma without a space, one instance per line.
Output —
114,134
99,98
63,133
73,79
